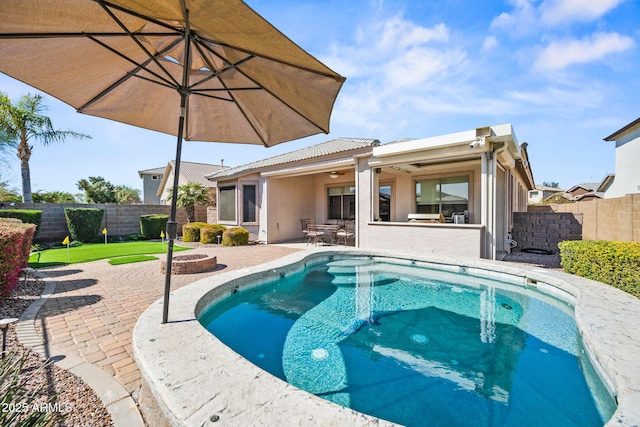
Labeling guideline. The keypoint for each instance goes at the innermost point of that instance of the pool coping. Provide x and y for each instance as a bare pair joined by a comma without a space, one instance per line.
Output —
195,380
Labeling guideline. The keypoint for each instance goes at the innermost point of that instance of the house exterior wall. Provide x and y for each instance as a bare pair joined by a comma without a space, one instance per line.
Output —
150,189
627,179
288,201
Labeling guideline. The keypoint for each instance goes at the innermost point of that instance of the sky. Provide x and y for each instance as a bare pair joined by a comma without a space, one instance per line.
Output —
564,73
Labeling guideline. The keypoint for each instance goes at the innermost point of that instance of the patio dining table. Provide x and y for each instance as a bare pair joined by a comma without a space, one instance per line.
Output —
329,230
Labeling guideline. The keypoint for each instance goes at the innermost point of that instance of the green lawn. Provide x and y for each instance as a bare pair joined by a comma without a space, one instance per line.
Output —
131,259
96,251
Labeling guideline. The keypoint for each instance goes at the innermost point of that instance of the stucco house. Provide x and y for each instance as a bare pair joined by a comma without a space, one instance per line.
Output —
475,179
627,173
189,172
151,179
541,192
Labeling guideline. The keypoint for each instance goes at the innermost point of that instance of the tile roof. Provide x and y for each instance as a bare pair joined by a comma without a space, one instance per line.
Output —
195,172
333,146
154,171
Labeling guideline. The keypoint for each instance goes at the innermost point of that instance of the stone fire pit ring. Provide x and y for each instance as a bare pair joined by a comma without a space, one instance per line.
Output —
190,263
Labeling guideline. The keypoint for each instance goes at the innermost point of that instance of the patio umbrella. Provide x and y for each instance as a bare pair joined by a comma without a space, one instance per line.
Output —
205,70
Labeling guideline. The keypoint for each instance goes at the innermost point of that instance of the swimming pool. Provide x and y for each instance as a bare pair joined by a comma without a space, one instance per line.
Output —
191,378
417,346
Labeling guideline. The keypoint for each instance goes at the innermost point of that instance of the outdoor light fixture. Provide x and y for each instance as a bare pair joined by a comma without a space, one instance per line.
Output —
4,323
333,175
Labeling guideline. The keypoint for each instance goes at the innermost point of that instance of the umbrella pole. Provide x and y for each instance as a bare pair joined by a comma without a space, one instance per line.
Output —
172,225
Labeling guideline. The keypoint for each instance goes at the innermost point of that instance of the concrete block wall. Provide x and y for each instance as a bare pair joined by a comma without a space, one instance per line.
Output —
544,230
616,219
120,220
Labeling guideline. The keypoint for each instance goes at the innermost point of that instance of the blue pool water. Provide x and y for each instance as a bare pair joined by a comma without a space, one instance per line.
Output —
417,346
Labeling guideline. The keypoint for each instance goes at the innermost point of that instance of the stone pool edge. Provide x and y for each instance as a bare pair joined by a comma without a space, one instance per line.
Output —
192,378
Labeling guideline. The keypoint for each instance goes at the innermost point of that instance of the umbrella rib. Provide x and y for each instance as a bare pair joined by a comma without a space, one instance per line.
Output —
141,16
5,36
136,41
218,72
337,77
127,76
139,66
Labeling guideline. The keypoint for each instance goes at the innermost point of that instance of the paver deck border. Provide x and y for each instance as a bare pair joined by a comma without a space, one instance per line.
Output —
120,405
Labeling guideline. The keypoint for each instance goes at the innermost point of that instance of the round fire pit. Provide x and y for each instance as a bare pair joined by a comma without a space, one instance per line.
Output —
189,264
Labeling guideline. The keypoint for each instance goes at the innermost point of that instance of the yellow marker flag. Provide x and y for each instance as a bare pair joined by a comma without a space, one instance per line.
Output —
162,234
66,241
104,231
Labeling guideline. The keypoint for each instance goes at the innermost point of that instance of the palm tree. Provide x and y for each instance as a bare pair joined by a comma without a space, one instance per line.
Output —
23,121
190,195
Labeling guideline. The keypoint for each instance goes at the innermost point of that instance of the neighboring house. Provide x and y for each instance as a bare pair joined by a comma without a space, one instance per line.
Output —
151,179
627,173
584,191
482,175
189,172
541,192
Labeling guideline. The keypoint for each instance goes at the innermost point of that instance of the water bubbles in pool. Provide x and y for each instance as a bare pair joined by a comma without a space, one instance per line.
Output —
454,362
319,354
261,356
419,339
544,350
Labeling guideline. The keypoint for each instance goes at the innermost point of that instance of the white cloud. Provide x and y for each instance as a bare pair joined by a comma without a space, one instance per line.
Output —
489,43
558,11
561,54
529,17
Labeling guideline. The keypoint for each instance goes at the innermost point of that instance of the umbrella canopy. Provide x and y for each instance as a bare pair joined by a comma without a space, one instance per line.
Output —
123,60
206,70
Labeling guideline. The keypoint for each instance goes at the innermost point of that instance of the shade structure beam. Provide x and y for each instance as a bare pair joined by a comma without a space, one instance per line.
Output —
136,41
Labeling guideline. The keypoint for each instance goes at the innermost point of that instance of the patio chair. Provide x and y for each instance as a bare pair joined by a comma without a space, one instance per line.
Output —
347,232
313,234
304,223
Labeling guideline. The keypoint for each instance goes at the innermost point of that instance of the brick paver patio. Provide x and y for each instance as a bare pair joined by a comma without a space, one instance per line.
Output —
96,305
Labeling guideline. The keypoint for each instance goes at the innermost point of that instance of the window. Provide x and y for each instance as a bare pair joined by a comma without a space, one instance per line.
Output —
154,177
342,202
248,203
444,196
384,202
227,204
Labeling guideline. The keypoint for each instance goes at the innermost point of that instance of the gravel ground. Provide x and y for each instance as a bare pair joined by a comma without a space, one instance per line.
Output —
76,403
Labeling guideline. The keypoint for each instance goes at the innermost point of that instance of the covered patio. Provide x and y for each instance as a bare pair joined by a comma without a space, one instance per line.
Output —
450,195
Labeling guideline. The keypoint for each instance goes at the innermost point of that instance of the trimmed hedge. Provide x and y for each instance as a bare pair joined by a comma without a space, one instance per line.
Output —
210,233
235,236
84,223
152,225
614,263
15,244
27,216
191,231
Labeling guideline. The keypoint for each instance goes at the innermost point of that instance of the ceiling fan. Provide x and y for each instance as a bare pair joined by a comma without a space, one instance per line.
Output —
335,174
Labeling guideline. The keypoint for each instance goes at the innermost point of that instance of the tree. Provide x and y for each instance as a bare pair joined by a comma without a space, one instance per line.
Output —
23,121
190,195
53,197
551,184
97,190
127,195
8,194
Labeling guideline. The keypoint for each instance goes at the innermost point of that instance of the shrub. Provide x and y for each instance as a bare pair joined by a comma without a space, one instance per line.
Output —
235,236
191,231
15,391
210,233
83,223
30,216
614,263
15,245
152,225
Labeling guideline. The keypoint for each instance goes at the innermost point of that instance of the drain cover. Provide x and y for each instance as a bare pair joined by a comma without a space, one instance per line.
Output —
537,251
